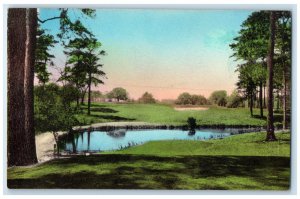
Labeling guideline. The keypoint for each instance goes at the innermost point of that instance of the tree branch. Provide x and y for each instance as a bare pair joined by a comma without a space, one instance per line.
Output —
43,21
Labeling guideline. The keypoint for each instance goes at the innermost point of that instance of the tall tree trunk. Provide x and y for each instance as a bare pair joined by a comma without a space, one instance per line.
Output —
15,62
270,119
261,100
251,103
284,122
89,94
22,24
278,101
265,97
83,95
31,29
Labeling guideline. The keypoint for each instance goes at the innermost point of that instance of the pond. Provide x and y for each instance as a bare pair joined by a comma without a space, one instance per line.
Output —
97,141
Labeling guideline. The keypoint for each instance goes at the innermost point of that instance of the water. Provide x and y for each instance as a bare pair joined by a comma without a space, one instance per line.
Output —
120,139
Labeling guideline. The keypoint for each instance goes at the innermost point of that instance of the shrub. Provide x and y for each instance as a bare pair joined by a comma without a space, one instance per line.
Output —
147,98
218,98
118,94
198,100
51,113
234,100
184,99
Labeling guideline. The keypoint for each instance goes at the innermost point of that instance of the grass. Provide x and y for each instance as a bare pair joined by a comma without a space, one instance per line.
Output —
165,114
241,162
250,144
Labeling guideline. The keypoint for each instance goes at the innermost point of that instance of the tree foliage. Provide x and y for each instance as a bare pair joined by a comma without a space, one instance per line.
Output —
219,98
118,94
234,100
53,112
147,98
42,55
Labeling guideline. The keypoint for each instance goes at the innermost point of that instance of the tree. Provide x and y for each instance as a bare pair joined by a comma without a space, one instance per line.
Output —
218,98
251,46
119,94
284,45
91,59
198,100
270,118
53,111
184,99
22,32
234,100
21,48
42,55
147,98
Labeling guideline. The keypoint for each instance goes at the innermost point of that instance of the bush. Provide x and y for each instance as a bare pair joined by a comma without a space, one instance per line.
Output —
147,98
234,100
184,99
219,98
118,94
198,100
51,113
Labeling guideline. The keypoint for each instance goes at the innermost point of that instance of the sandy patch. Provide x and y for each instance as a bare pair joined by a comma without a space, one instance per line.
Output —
44,146
191,108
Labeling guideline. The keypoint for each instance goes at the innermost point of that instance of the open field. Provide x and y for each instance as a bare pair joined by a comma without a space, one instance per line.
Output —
234,163
165,114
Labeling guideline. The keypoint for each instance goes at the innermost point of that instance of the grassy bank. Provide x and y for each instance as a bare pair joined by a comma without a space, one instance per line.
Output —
250,144
237,163
165,114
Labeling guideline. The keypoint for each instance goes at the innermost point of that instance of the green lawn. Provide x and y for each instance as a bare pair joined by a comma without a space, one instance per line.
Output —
165,114
241,162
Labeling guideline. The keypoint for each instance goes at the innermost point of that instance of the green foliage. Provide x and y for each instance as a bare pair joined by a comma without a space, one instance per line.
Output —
219,98
147,98
184,99
191,123
42,56
198,100
234,100
188,99
68,94
50,111
118,94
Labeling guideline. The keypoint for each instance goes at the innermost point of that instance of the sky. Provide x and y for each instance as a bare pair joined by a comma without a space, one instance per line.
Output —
164,52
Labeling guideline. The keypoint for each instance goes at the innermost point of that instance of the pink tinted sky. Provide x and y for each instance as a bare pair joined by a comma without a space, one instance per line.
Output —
164,52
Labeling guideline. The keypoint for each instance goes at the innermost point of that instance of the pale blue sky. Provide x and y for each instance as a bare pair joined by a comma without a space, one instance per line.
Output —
164,52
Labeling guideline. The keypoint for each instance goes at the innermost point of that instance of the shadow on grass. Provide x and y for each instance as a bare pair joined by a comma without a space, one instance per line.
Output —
153,172
101,109
112,117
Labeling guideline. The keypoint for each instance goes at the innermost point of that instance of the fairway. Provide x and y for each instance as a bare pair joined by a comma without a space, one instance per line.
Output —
235,163
163,97
165,114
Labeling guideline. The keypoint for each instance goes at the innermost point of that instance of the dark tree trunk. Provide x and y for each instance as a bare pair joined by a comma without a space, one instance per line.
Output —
82,97
251,103
89,94
261,100
31,28
284,122
21,48
270,119
16,38
77,101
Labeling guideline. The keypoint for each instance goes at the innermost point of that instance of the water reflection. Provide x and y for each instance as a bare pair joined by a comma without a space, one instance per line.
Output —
117,133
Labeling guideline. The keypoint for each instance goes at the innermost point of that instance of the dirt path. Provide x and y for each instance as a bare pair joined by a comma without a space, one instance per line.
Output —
44,146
